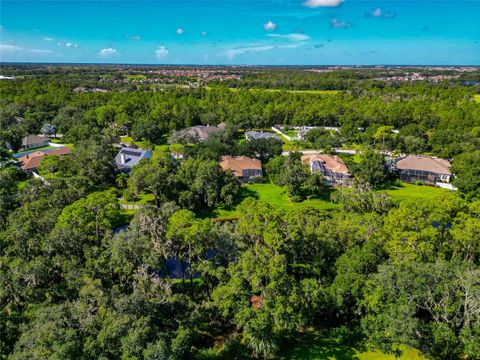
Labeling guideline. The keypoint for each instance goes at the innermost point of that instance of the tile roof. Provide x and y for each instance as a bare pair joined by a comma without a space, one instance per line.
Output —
202,132
240,163
331,162
424,163
32,161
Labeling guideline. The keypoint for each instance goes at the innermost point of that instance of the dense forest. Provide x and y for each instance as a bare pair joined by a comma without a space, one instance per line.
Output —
81,278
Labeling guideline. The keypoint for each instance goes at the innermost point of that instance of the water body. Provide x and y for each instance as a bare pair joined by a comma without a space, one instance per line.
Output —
268,32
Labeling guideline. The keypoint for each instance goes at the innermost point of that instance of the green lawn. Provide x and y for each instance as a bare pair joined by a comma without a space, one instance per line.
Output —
325,348
143,199
411,192
277,196
477,97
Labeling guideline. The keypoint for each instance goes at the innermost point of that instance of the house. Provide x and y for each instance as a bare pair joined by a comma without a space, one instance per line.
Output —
243,167
128,157
331,167
255,135
31,162
201,132
34,142
426,169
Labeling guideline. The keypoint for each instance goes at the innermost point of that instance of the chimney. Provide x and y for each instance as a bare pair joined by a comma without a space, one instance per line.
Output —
122,158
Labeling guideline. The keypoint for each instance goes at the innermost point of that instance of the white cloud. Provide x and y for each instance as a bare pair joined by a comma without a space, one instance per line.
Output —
161,52
108,52
12,49
134,37
46,38
380,13
256,49
71,45
180,31
340,24
377,12
269,26
204,33
322,3
292,37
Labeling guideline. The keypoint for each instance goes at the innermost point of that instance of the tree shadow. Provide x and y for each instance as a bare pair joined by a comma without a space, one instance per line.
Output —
243,194
317,346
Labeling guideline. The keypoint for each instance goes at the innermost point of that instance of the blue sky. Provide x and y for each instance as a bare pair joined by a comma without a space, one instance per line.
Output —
263,32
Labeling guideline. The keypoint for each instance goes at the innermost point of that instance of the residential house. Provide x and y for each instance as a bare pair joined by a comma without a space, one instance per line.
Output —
243,167
201,132
128,157
31,162
331,167
34,142
255,135
426,169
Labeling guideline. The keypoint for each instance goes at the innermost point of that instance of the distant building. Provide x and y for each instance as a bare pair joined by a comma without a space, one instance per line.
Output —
331,167
255,135
243,167
128,157
426,169
31,162
201,132
34,142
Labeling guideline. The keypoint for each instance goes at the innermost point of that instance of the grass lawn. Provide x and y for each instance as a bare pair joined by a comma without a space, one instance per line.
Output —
143,199
325,348
126,140
412,191
274,195
477,97
278,196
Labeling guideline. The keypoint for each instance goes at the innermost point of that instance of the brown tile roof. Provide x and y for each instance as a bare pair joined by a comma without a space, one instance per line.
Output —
32,161
239,163
331,162
424,163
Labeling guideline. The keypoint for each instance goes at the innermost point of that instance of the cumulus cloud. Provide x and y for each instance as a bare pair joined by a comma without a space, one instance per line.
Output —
269,26
381,14
256,49
71,45
12,49
46,38
179,31
161,52
292,37
322,3
108,52
340,24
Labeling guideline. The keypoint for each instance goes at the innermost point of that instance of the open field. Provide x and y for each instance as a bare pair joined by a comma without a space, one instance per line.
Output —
278,196
321,348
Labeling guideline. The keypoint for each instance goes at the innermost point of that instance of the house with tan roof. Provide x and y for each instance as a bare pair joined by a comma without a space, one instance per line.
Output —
331,167
243,167
31,162
426,169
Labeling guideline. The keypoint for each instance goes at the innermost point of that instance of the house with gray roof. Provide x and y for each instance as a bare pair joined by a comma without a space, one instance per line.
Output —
34,142
128,157
255,135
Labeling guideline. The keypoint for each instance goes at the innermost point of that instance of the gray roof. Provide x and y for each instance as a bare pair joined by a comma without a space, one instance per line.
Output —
202,132
34,139
132,156
260,135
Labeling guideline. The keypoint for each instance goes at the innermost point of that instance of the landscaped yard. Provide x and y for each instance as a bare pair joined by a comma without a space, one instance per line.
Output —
278,196
321,348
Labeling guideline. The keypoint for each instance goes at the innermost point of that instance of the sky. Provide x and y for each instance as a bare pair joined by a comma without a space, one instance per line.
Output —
242,32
